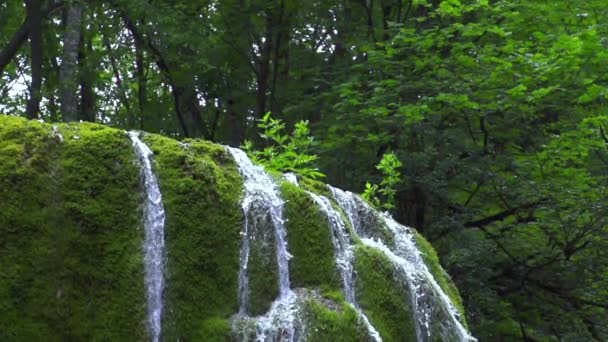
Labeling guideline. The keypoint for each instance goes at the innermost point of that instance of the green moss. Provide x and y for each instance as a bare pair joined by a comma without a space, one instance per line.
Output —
201,191
315,186
69,234
214,330
309,241
431,259
325,324
382,297
263,267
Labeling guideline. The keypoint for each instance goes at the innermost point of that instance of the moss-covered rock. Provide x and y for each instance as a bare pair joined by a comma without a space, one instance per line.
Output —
262,268
431,259
315,186
309,241
201,190
384,299
70,234
332,320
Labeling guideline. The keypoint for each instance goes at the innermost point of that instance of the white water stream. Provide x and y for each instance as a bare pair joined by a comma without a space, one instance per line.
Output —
345,256
262,197
430,304
154,240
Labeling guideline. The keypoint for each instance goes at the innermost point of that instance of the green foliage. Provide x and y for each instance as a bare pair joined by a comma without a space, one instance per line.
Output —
285,153
496,113
387,189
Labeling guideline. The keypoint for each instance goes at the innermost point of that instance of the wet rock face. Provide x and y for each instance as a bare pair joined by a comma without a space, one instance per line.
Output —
262,270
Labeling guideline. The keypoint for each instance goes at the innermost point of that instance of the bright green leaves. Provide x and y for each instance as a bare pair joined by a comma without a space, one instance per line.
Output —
383,195
450,7
592,92
283,152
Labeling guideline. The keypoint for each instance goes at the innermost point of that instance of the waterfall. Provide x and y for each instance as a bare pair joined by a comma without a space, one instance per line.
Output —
345,256
291,178
261,198
430,304
154,241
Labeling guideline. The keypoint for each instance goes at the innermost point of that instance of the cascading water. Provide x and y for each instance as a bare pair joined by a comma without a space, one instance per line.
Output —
262,198
430,303
154,241
345,256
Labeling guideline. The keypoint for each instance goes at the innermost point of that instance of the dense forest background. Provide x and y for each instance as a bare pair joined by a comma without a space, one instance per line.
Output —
493,114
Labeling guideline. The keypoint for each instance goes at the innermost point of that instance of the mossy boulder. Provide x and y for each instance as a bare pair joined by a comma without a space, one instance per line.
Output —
70,234
382,296
309,241
431,259
71,237
201,190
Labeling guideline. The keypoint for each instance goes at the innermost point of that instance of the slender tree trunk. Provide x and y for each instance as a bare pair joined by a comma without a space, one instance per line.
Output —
368,6
264,66
8,53
86,75
35,15
141,81
53,106
281,48
118,80
68,81
188,110
184,92
20,36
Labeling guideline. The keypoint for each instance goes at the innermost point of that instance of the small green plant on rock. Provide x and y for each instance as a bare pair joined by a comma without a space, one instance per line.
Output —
283,152
383,195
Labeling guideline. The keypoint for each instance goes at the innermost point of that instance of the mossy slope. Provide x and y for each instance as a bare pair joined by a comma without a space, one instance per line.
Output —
309,241
431,259
201,191
331,319
69,234
384,299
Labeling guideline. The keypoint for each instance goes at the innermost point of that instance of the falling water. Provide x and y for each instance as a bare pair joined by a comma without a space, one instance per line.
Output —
429,301
291,178
343,246
154,241
262,198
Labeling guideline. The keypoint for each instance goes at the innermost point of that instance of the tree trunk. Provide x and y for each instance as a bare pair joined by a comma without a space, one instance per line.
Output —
122,94
87,94
35,15
184,93
263,74
68,82
141,81
8,53
50,90
187,108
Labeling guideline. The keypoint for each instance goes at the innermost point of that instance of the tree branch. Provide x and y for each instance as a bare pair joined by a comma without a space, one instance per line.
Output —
502,215
20,36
